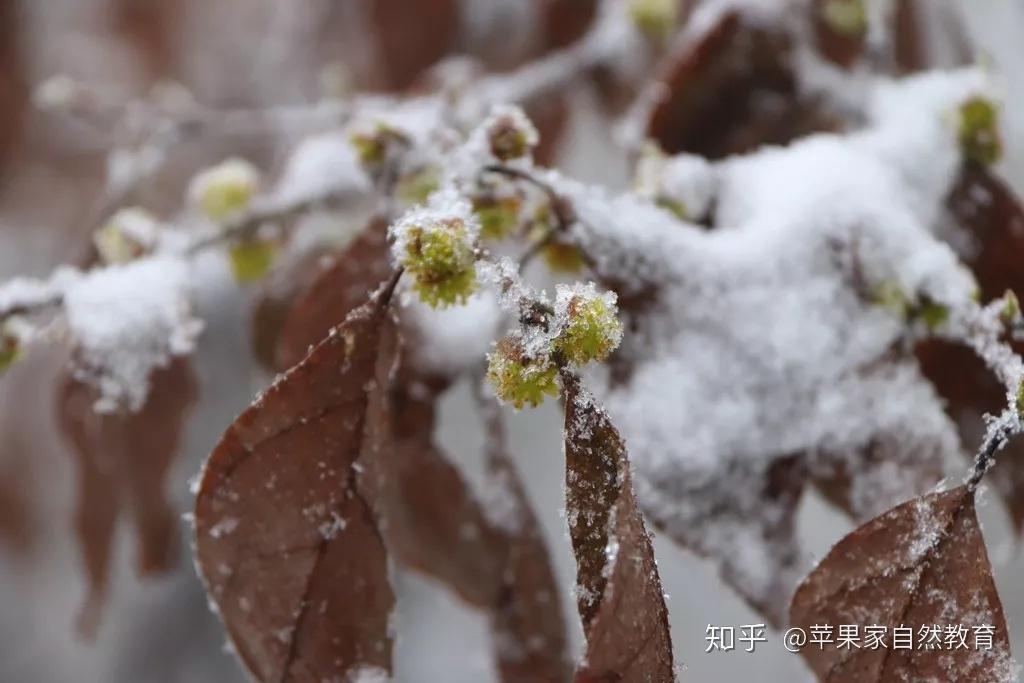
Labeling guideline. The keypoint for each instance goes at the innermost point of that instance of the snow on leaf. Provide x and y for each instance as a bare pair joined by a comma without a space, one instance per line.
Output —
319,604
127,320
992,218
122,461
619,592
921,563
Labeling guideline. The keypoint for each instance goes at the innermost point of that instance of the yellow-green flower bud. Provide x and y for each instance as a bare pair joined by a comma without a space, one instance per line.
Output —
251,259
978,131
589,325
10,346
518,379
1011,308
845,17
415,187
128,235
373,147
498,216
224,191
565,259
655,18
440,256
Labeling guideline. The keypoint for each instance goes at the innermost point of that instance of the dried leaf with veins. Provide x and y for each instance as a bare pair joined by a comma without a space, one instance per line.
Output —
286,539
619,592
334,292
122,462
921,563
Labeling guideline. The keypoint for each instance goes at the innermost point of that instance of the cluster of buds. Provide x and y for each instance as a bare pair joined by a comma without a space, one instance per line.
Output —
438,250
584,328
128,235
224,193
510,134
978,130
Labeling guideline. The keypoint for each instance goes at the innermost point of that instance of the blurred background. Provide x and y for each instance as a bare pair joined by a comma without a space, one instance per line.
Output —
242,54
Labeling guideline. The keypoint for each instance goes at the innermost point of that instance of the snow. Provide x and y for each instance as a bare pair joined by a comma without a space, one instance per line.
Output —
321,164
126,321
454,340
765,338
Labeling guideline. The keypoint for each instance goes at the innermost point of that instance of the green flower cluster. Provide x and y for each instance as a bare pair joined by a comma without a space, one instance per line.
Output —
978,131
586,329
519,379
440,256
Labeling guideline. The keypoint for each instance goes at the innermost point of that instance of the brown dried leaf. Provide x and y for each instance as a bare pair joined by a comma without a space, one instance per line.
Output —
123,461
987,208
433,523
842,48
336,291
731,92
286,538
277,299
620,598
412,36
921,563
430,519
909,54
528,624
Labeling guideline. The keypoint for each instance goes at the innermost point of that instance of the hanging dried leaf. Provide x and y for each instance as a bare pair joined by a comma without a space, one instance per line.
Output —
724,93
619,592
908,47
493,557
277,298
430,519
412,36
286,538
527,625
338,289
123,461
920,564
989,211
